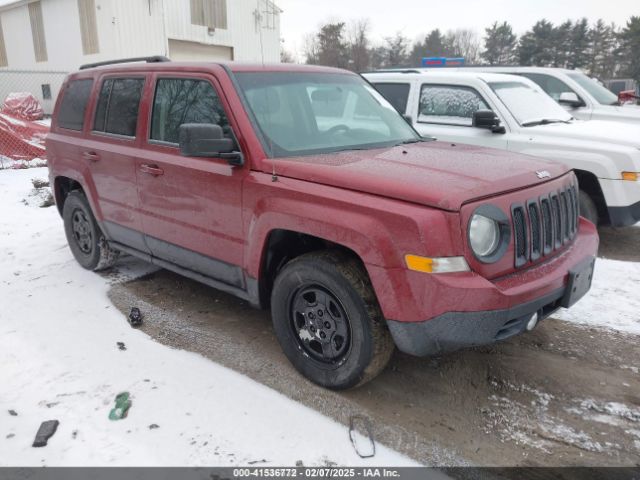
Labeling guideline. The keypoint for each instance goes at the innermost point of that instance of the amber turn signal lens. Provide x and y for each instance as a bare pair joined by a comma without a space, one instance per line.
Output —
630,176
436,265
419,264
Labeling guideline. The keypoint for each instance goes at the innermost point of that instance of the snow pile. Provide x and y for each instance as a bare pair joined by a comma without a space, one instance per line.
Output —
613,301
60,360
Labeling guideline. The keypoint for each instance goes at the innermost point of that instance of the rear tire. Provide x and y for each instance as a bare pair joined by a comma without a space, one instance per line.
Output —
86,241
328,321
588,208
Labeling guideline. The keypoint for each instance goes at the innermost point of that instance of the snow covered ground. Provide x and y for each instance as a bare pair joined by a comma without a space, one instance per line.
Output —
59,360
614,299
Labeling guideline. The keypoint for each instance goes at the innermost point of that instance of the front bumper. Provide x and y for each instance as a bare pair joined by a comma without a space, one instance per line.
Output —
456,330
623,201
624,216
470,320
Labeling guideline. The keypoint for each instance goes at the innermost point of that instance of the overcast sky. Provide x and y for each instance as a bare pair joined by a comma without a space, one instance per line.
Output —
415,17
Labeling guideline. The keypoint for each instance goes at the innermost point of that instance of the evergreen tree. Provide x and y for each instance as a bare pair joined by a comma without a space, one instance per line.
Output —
561,44
602,43
630,47
536,46
499,44
579,45
332,50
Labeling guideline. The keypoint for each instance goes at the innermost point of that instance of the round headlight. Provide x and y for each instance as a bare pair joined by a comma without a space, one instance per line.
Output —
484,235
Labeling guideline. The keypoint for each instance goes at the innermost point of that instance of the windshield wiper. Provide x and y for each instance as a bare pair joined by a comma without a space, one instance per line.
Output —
543,121
415,140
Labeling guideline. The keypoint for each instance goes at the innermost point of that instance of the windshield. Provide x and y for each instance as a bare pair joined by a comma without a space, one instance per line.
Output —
307,113
529,105
597,91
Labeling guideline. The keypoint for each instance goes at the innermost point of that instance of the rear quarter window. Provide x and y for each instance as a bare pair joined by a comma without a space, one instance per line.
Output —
397,94
74,104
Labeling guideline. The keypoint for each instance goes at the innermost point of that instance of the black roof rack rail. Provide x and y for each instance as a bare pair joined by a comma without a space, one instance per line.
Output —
154,59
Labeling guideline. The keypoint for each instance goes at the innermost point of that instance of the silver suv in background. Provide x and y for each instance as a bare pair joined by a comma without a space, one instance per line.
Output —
584,97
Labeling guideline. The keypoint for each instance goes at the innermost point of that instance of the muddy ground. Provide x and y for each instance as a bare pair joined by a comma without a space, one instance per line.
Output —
562,395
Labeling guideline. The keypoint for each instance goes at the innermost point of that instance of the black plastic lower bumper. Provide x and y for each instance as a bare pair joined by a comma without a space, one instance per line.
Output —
624,216
456,330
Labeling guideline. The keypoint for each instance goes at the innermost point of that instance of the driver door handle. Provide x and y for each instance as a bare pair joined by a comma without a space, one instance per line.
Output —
91,156
151,170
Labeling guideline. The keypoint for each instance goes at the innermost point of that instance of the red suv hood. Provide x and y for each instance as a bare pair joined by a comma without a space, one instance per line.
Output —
436,174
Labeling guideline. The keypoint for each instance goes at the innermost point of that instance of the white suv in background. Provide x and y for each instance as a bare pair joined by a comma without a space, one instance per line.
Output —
512,113
582,96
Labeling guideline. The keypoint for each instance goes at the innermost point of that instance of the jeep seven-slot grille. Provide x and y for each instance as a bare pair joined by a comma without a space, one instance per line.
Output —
544,225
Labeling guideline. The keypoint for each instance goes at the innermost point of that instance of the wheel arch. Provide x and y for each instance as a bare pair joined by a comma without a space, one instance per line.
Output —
282,245
589,184
62,186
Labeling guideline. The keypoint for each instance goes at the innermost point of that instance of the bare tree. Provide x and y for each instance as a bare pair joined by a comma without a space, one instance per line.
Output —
311,49
395,50
463,43
359,45
286,56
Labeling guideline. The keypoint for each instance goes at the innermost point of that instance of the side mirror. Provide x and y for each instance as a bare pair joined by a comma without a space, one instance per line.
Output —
207,140
570,99
487,119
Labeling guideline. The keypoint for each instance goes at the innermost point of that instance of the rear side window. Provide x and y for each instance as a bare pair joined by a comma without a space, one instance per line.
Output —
397,94
74,104
180,101
118,105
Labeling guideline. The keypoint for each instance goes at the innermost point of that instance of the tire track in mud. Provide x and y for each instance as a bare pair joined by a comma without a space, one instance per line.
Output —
561,395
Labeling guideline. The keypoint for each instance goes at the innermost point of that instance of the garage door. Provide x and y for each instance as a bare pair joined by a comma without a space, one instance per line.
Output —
179,50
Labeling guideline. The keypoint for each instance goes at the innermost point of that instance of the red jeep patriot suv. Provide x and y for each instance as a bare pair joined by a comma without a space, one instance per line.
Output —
302,189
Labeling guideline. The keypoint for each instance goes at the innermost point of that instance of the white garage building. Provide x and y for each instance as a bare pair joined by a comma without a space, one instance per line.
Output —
61,35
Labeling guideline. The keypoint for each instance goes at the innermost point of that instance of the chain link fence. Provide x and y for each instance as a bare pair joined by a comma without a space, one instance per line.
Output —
27,99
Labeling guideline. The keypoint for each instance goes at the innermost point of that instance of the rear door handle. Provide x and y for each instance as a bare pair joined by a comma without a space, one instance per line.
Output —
91,156
151,170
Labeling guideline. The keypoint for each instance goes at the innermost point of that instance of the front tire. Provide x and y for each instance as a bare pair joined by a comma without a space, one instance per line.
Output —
588,208
328,321
86,241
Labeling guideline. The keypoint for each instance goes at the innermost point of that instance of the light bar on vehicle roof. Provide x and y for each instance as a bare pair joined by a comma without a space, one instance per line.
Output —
440,62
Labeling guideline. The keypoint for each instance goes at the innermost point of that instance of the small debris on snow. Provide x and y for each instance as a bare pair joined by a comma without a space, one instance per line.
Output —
45,432
153,426
299,463
13,413
39,183
121,346
354,422
123,404
254,462
135,317
11,435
